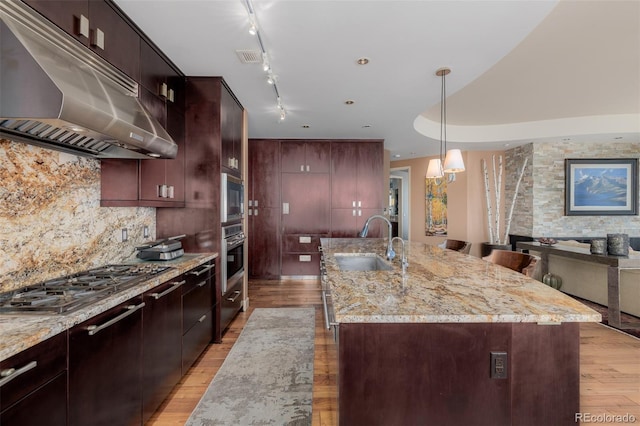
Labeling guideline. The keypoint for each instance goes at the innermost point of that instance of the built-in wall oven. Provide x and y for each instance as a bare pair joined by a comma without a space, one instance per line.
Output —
231,272
232,198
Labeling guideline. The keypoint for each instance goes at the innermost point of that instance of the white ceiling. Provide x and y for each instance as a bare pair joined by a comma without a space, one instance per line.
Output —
522,70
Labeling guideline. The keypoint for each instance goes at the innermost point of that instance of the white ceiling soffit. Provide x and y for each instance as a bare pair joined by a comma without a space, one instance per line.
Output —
577,75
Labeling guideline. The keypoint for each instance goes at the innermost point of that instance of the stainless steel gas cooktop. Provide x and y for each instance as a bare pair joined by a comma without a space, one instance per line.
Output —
67,293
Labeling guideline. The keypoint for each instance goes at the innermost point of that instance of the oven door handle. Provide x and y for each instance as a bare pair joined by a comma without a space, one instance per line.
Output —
235,244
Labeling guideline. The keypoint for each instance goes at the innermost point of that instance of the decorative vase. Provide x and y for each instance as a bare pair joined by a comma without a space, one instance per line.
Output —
552,281
618,244
598,246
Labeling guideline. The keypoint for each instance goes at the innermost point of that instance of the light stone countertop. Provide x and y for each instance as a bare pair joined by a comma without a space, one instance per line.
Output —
22,331
440,286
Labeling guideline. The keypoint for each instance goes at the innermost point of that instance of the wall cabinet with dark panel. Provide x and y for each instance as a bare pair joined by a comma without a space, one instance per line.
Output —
99,25
326,188
33,385
263,195
356,182
231,134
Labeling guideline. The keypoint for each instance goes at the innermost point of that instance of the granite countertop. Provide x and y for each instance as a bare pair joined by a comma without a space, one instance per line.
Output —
22,331
440,286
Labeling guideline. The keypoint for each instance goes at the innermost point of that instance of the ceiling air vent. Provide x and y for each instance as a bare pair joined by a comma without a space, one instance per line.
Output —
249,56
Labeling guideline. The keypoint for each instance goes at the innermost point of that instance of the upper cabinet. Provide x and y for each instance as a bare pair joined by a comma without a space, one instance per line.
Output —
231,133
98,25
305,156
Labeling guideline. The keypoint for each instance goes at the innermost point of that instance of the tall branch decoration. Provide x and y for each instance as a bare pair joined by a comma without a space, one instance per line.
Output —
493,208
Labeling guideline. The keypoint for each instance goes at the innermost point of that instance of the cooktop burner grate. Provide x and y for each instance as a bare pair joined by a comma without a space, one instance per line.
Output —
64,294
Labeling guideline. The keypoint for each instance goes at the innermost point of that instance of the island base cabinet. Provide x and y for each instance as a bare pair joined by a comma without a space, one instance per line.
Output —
105,368
439,374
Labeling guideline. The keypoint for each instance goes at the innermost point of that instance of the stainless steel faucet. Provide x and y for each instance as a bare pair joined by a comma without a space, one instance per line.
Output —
365,230
403,259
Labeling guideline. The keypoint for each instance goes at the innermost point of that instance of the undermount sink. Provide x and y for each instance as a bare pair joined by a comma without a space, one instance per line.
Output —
361,262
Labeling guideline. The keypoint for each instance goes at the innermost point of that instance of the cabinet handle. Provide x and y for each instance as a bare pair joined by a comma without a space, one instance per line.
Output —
11,373
202,284
353,213
255,203
302,167
202,318
173,287
308,168
201,271
94,329
359,212
170,191
171,95
326,311
98,39
163,90
255,212
83,29
236,294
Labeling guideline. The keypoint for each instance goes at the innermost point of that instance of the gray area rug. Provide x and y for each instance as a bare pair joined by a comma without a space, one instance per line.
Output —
267,377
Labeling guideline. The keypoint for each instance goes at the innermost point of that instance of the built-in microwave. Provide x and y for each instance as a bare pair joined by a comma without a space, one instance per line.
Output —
232,198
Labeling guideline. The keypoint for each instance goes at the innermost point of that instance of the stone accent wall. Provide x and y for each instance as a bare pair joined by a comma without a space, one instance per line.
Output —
51,222
540,206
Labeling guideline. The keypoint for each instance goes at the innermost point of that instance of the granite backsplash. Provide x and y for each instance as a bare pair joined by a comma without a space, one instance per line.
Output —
51,222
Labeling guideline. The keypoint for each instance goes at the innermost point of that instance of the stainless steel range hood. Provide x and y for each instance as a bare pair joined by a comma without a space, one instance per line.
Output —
56,93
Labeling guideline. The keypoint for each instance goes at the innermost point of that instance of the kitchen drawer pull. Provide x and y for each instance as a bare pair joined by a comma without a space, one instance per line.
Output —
202,284
11,373
201,271
93,329
236,294
173,287
202,318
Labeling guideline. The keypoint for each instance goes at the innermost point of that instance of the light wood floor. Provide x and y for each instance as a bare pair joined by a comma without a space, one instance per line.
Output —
609,362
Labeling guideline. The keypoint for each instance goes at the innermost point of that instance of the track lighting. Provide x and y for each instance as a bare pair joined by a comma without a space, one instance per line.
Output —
266,66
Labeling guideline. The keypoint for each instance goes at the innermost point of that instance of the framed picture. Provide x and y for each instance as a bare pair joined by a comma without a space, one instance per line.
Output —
599,187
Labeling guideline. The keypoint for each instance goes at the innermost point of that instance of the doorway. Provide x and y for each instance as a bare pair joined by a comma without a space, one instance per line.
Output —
399,200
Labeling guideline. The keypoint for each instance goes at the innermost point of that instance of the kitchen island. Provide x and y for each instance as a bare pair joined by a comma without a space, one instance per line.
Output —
456,340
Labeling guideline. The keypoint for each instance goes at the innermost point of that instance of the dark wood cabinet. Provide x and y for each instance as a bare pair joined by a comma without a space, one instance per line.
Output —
304,203
154,182
198,320
356,187
305,156
99,25
105,356
263,195
303,190
162,344
36,391
231,119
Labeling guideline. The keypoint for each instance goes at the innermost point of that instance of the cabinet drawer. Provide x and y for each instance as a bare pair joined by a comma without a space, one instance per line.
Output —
301,264
231,304
51,359
301,243
196,302
46,406
196,340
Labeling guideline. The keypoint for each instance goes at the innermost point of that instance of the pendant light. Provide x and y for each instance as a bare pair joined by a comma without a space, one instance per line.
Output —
452,162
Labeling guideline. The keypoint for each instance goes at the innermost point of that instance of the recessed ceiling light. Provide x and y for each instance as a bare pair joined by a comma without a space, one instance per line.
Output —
396,155
362,61
618,137
366,126
349,102
566,139
305,126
